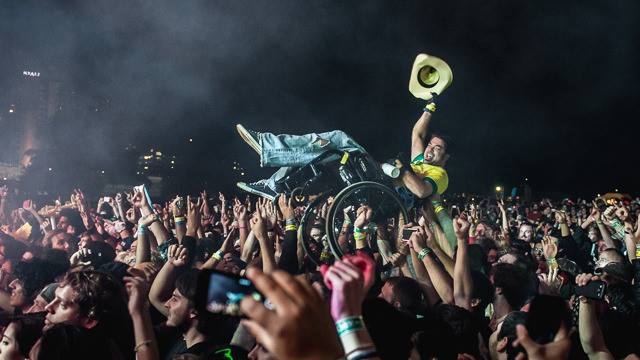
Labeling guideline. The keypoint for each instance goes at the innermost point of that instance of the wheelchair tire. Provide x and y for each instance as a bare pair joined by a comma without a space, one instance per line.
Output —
340,202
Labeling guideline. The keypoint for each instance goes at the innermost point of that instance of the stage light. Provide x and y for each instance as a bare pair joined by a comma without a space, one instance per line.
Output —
11,110
50,169
102,171
498,188
190,140
242,174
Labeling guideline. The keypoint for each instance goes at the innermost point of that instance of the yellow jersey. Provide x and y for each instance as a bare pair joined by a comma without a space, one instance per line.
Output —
435,175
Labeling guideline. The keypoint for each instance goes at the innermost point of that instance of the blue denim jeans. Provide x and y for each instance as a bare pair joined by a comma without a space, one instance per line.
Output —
287,151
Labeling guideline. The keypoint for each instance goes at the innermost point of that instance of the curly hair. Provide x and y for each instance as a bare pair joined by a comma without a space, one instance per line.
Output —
97,293
34,275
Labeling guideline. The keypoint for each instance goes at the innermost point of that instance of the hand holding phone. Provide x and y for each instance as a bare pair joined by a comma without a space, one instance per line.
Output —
219,292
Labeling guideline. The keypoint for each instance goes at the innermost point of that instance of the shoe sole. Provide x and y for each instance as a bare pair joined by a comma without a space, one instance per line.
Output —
246,136
253,191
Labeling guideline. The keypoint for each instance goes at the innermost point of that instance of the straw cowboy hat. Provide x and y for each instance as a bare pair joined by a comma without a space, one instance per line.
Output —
429,75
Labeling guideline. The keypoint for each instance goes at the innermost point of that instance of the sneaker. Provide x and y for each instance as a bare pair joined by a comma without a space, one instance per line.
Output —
250,137
258,188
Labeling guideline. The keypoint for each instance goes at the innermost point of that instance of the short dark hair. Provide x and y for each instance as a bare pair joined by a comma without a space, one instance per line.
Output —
408,293
28,329
508,330
514,283
187,284
97,294
446,139
34,275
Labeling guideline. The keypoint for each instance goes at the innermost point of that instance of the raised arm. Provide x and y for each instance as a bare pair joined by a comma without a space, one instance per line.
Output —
591,336
158,230
177,256
419,133
259,228
441,280
462,282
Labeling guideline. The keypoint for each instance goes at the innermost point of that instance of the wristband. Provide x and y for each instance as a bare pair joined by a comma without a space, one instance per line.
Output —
290,227
346,221
430,108
349,324
637,250
179,219
552,263
290,222
144,343
361,354
142,229
217,255
423,253
438,209
357,230
359,236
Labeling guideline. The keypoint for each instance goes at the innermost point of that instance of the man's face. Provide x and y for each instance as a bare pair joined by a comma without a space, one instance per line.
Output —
18,297
9,346
179,309
526,233
316,234
84,240
63,222
63,309
435,153
229,264
60,242
593,235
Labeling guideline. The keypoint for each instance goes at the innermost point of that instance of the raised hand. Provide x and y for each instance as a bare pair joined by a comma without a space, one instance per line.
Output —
137,286
550,283
549,247
147,220
177,207
347,283
193,216
286,207
258,223
461,227
239,211
177,255
300,327
363,216
4,190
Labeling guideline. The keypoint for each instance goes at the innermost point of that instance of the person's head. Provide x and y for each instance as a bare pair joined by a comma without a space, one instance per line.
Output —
19,336
67,341
57,239
404,294
538,251
507,334
85,298
436,151
43,298
525,232
85,238
594,234
607,257
181,305
316,233
231,263
482,292
460,326
31,277
511,283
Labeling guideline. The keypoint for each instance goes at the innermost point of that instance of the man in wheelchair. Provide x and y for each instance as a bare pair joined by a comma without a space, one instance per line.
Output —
424,176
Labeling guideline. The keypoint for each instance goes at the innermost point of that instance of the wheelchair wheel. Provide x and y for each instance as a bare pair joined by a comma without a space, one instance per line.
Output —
382,199
312,248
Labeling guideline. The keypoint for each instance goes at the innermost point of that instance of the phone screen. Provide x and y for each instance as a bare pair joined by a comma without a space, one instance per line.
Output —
221,293
406,233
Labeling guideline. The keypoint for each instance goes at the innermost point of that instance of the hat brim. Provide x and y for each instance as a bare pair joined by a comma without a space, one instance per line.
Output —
442,76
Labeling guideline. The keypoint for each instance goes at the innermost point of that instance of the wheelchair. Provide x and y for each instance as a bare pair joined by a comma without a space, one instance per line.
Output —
352,179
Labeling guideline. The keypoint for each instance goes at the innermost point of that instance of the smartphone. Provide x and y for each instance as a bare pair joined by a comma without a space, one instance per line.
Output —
546,315
107,199
593,290
219,292
406,233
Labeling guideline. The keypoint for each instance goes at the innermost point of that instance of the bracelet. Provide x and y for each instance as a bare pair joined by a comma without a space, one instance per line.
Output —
438,209
357,229
217,255
637,250
349,324
359,236
423,253
144,343
290,222
179,219
347,220
552,263
290,227
142,229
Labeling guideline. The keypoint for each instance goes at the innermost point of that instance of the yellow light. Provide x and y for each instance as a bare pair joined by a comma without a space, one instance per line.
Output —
498,188
158,153
146,168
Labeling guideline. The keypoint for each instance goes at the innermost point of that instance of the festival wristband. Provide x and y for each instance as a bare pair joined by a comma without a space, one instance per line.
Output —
423,253
349,324
637,250
290,227
358,230
179,219
290,222
217,255
552,263
142,229
361,354
359,236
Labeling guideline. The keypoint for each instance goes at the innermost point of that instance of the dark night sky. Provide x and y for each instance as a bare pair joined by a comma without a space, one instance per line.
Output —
546,90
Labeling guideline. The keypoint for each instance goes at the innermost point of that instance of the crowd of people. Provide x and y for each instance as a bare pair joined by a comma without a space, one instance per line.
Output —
117,276
78,278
